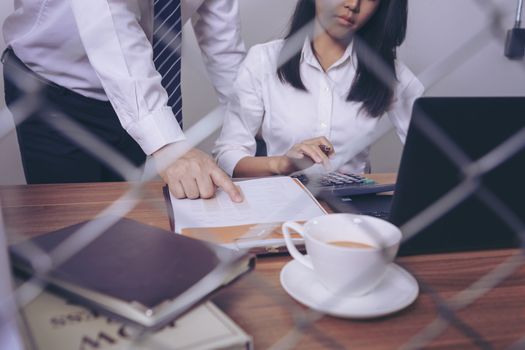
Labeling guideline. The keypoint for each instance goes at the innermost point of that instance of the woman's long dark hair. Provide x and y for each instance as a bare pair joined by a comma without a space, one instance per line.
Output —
381,35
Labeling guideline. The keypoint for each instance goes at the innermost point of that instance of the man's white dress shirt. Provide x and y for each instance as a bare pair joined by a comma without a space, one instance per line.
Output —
102,49
286,116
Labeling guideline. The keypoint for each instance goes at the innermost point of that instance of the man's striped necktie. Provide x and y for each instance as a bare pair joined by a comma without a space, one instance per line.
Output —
166,50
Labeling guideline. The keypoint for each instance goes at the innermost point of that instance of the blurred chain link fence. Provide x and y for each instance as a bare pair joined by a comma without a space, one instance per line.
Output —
471,185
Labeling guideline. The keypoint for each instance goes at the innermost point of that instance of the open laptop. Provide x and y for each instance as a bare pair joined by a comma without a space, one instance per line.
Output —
476,125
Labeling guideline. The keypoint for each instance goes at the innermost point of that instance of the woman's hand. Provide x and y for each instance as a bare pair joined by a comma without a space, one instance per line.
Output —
305,154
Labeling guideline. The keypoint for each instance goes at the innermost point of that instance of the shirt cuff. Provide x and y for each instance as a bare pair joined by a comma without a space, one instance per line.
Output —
156,130
229,159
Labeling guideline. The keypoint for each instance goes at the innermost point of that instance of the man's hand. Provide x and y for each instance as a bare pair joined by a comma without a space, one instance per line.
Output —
193,175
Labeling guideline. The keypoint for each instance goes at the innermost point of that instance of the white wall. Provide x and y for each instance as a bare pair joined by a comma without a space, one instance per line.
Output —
436,29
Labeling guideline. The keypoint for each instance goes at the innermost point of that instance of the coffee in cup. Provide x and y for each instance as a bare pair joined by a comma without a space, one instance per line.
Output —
351,244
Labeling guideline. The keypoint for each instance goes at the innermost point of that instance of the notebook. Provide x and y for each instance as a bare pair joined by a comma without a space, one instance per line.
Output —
255,223
55,323
137,272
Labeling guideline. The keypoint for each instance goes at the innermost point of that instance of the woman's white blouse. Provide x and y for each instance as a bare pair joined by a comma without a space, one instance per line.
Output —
286,116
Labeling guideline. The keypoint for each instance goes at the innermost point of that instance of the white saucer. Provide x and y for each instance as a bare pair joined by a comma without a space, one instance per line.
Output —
397,290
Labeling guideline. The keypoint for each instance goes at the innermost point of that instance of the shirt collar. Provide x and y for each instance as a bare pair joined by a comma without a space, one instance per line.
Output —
308,55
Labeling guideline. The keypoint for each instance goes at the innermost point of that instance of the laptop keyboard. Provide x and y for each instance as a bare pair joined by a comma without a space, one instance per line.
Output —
373,205
378,214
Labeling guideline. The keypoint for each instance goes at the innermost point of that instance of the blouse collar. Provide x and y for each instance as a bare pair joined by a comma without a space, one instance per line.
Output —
308,55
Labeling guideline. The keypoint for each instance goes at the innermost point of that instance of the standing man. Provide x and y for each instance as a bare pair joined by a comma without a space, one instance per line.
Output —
113,66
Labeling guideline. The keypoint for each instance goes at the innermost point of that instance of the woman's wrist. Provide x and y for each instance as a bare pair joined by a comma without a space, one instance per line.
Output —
280,165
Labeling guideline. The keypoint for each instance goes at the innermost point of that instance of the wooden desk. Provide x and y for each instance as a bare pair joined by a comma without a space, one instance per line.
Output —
263,309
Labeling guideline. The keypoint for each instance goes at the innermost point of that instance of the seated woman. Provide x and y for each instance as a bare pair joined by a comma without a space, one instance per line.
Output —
311,104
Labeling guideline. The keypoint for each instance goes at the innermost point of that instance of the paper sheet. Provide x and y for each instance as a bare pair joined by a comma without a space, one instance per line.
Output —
266,200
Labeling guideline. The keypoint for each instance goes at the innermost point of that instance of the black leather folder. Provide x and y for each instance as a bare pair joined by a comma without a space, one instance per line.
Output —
136,272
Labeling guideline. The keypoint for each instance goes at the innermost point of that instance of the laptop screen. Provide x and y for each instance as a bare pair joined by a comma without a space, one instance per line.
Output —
434,204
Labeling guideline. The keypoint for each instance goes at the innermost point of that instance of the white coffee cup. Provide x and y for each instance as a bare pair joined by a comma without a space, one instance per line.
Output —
342,270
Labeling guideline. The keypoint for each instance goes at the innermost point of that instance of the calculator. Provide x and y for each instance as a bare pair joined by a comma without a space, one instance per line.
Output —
342,184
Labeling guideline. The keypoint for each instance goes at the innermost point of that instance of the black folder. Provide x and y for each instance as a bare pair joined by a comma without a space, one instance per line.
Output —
136,272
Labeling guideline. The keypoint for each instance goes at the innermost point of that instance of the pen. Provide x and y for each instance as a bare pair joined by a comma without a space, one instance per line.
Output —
325,149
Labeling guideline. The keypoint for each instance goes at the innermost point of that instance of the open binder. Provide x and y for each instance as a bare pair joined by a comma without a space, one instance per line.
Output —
290,200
